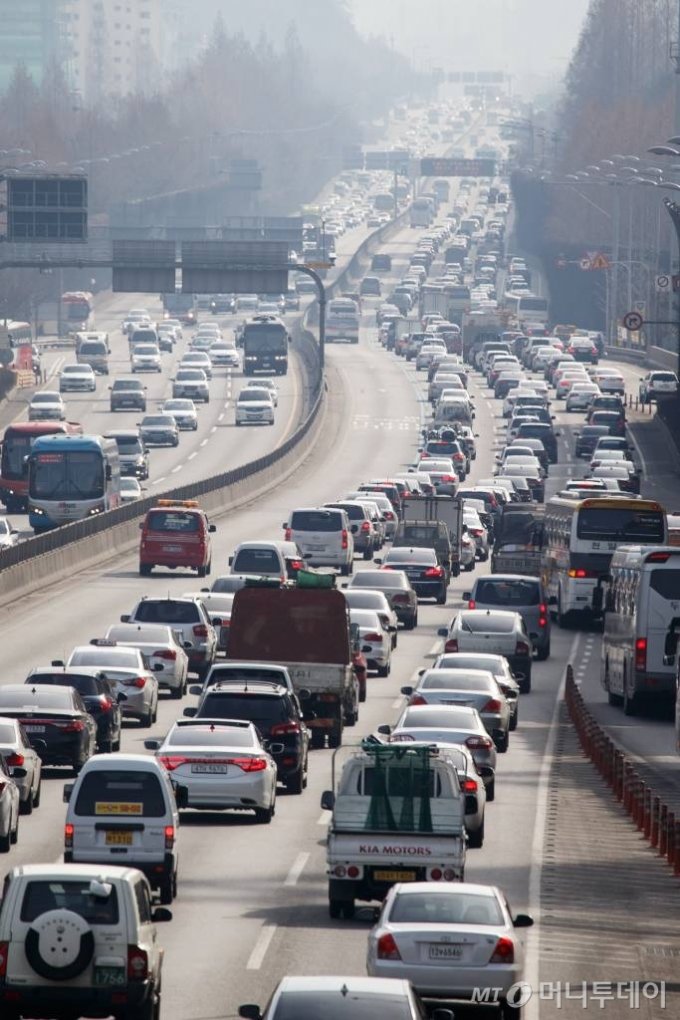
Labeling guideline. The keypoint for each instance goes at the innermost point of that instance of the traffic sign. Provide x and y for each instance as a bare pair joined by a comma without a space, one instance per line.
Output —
47,207
663,283
633,321
319,265
435,166
676,281
599,261
584,263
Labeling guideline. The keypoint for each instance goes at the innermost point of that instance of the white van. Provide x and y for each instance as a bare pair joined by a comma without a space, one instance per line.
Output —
641,625
123,810
342,320
324,537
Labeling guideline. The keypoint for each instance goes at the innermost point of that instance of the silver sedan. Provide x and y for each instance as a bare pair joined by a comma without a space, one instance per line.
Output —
476,688
183,411
18,753
126,667
448,939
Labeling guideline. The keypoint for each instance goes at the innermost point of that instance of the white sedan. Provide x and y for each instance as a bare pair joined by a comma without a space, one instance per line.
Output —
254,407
581,396
74,378
162,648
448,939
47,406
266,384
221,763
130,489
9,535
183,410
145,358
375,638
225,354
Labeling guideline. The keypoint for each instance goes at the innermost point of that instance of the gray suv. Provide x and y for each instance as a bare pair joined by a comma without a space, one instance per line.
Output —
522,594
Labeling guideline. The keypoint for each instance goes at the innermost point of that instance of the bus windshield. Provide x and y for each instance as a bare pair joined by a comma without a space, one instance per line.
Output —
265,338
15,448
76,474
613,524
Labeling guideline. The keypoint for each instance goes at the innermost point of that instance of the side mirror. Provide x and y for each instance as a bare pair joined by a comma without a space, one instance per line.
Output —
141,525
385,730
442,631
250,1011
125,618
152,745
68,790
327,800
523,921
158,667
212,529
486,771
354,528
181,796
467,595
408,691
378,560
196,689
186,644
161,914
57,662
190,713
230,560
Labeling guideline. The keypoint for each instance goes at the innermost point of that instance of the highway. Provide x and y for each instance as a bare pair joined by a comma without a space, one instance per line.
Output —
252,901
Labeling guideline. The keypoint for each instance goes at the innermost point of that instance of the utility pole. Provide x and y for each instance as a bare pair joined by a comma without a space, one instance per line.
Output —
674,213
616,253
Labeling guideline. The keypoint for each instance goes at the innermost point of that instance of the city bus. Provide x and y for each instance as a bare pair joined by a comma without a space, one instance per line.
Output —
265,342
15,334
77,310
524,308
17,444
641,626
71,478
580,537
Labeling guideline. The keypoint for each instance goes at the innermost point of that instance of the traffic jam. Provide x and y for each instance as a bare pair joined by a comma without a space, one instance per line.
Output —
271,660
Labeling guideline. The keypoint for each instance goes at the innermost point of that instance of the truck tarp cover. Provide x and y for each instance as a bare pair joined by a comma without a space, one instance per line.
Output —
520,529
287,625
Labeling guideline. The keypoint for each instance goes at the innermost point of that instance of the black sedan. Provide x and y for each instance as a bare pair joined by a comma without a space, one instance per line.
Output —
588,438
427,576
55,718
98,694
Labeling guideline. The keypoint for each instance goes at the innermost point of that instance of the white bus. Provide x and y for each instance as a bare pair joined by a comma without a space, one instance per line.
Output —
641,623
525,308
422,212
580,537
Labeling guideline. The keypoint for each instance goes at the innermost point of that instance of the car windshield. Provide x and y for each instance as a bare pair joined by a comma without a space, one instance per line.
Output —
158,421
211,736
129,444
487,623
191,375
75,895
251,395
95,655
446,908
121,792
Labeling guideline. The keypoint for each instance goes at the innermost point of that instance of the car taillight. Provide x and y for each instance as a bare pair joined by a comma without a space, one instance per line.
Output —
543,621
167,653
434,572
458,456
137,964
451,645
366,526
469,786
200,630
521,648
169,833
543,609
372,637
286,727
296,565
580,572
77,726
14,759
172,761
400,598
448,478
287,535
68,835
4,953
641,653
388,515
106,703
479,743
344,539
492,705
249,764
471,604
137,682
504,951
387,948
417,699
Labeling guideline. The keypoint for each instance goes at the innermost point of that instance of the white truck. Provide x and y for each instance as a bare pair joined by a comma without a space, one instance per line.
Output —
398,815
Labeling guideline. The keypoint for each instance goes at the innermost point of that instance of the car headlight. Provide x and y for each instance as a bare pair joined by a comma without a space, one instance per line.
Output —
38,511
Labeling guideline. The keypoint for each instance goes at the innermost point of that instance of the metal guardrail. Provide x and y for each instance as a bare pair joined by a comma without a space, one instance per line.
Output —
656,820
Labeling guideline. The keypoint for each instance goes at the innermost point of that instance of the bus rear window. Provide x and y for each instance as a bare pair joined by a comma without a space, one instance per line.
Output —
611,524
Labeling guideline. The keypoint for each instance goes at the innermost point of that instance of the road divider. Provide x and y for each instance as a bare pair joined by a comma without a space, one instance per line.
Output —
657,822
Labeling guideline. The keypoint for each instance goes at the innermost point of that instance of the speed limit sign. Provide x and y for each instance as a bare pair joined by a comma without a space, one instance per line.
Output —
633,321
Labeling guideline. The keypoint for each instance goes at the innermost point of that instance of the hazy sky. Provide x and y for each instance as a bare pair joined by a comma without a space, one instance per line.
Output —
517,36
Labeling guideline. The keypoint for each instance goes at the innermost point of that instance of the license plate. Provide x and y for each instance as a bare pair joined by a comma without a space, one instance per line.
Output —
454,701
115,838
34,729
108,977
218,770
172,548
394,876
443,952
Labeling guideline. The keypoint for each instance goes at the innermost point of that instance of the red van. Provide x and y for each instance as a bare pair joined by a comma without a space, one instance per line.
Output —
175,533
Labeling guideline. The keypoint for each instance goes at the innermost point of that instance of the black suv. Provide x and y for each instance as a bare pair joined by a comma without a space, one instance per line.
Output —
128,394
98,694
277,715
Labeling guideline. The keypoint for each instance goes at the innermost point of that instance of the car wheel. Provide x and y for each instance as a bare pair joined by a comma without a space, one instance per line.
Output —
491,790
543,653
441,598
346,569
26,806
514,719
263,816
296,782
14,834
476,838
503,743
145,569
335,735
167,890
335,909
5,842
177,692
106,747
368,554
384,670
147,720
37,795
348,909
525,683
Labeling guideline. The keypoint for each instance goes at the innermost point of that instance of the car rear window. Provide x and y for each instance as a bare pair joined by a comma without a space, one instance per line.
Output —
96,656
7,733
507,593
316,520
455,680
264,710
211,736
85,685
167,611
446,908
256,561
119,793
336,1005
438,718
43,896
44,698
172,520
487,623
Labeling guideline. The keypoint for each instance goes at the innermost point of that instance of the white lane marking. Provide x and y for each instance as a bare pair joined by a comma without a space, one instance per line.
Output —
398,702
538,843
176,469
192,455
325,818
641,460
259,952
221,416
204,442
213,429
159,480
299,865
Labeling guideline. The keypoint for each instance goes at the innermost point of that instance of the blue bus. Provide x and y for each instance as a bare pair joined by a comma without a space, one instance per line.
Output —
71,478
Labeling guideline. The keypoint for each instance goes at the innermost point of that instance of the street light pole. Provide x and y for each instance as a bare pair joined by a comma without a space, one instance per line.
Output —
616,252
674,213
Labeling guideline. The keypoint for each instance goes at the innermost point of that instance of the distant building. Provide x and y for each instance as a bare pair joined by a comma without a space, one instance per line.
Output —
113,47
30,35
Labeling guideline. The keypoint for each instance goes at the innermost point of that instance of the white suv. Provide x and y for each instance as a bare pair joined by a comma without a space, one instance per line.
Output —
79,939
324,537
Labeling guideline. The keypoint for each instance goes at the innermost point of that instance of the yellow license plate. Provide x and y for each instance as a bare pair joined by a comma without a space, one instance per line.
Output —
118,838
394,876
